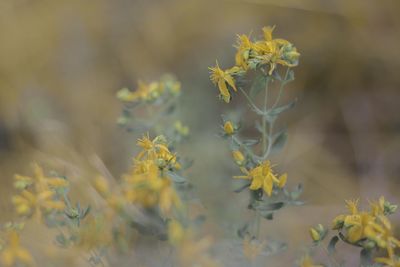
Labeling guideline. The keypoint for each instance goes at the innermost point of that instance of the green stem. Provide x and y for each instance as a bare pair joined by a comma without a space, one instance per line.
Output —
264,119
270,139
283,83
256,109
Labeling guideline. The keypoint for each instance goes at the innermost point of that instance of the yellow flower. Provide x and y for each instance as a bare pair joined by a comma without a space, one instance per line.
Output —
228,128
238,157
13,252
40,181
378,207
243,51
262,176
381,232
39,197
268,32
265,52
181,129
357,224
222,78
148,187
282,180
158,151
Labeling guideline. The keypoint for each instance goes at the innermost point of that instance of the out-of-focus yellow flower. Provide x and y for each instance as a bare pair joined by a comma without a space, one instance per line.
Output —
39,180
181,129
150,189
28,203
306,261
193,253
222,78
238,157
380,231
176,233
262,176
157,150
126,95
149,184
14,253
228,128
94,233
252,248
39,197
149,92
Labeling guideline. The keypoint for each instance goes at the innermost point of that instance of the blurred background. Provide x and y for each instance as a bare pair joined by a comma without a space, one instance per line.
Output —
62,62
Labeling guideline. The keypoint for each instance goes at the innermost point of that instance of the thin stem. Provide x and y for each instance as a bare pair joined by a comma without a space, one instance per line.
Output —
264,121
283,83
270,139
258,218
257,110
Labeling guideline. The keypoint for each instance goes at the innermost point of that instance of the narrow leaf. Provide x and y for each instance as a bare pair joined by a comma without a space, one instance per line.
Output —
332,244
278,110
258,85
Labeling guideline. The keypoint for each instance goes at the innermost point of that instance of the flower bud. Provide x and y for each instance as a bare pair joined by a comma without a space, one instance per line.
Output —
228,128
238,157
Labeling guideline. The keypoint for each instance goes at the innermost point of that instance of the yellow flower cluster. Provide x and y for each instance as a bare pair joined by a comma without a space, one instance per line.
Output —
370,227
38,194
266,54
150,92
262,176
14,253
149,184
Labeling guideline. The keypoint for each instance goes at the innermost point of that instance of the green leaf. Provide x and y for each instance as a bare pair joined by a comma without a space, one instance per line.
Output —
295,194
86,212
234,144
276,75
267,215
290,76
332,244
258,85
250,142
278,110
62,240
269,206
280,141
241,232
176,178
